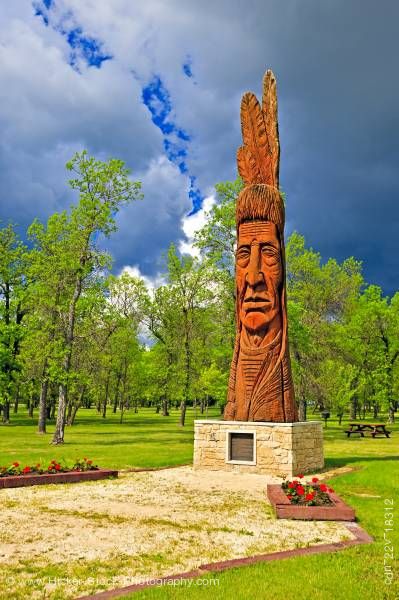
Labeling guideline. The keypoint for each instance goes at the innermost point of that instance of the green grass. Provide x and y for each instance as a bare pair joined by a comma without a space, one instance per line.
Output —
351,574
146,439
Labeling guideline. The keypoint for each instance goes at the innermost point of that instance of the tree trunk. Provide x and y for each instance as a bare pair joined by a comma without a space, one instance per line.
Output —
302,409
117,391
165,411
6,411
75,409
353,411
43,403
69,413
58,437
182,413
183,403
16,401
106,397
391,414
123,399
375,411
31,407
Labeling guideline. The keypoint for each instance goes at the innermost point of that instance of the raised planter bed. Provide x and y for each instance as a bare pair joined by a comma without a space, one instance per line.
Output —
283,508
69,477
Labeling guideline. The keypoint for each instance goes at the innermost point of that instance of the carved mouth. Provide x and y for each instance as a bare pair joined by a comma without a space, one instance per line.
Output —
252,304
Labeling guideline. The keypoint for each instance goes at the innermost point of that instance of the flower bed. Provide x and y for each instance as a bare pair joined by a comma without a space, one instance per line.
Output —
312,493
56,472
308,501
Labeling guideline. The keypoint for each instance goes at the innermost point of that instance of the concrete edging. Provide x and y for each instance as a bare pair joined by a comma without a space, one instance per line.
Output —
361,537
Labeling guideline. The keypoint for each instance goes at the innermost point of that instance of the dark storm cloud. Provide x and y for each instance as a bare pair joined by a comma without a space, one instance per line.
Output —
338,87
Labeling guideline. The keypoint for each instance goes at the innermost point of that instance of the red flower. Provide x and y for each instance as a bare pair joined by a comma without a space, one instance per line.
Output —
291,485
314,480
57,467
300,490
89,462
26,470
300,476
330,490
309,496
323,487
289,496
15,464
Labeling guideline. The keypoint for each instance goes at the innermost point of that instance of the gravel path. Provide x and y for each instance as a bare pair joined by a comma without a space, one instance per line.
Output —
107,534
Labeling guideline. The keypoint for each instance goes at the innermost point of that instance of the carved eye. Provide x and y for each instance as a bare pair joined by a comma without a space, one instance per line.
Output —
270,254
242,256
268,251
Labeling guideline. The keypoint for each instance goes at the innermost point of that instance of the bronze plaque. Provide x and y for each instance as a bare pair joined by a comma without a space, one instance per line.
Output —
242,446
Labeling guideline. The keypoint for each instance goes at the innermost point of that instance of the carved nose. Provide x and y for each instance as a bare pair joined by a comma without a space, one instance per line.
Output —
254,276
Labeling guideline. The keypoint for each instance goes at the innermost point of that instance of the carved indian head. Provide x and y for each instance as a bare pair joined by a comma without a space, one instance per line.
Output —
260,386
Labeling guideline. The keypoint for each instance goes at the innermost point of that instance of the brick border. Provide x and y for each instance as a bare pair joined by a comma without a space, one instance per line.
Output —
46,478
361,537
285,510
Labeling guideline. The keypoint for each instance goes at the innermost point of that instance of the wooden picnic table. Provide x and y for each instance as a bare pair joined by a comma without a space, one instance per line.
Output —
361,428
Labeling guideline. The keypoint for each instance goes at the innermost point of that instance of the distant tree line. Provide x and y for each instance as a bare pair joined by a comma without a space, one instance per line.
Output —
73,335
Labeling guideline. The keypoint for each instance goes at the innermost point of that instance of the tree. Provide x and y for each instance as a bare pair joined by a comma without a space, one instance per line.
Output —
70,252
13,284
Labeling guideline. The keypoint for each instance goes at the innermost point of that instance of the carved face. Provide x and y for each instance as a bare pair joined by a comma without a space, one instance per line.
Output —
259,275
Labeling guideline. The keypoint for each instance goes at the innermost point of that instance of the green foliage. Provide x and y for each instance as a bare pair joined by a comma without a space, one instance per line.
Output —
72,335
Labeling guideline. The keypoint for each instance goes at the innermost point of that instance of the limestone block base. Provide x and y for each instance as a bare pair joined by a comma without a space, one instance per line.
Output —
282,449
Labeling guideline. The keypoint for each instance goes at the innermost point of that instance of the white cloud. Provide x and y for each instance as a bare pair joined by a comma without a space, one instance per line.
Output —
193,223
335,128
151,283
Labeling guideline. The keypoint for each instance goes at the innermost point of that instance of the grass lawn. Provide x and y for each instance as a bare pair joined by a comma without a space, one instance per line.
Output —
147,439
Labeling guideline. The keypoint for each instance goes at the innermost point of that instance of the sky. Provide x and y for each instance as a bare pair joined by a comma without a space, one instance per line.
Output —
158,84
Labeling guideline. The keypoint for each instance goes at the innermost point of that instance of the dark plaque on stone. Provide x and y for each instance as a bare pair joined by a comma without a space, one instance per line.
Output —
241,447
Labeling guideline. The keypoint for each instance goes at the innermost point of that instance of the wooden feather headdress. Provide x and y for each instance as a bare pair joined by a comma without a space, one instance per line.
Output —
258,159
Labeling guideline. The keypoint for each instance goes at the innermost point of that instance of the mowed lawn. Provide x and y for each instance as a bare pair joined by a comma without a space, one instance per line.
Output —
150,440
144,439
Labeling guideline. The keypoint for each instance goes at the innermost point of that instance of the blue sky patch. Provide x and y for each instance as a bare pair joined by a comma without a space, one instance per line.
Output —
41,9
87,47
82,46
187,67
195,196
176,140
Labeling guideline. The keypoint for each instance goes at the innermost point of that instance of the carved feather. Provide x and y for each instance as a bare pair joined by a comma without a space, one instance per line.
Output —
254,132
248,166
258,159
269,109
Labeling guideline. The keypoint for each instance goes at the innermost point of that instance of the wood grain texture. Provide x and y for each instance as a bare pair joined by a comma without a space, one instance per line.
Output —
258,158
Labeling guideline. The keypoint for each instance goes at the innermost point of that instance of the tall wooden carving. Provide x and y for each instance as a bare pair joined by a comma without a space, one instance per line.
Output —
260,385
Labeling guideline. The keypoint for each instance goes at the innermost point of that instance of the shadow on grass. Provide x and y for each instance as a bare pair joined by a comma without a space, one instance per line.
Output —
345,461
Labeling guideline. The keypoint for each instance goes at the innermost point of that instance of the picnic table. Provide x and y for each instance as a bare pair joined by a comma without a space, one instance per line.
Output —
361,428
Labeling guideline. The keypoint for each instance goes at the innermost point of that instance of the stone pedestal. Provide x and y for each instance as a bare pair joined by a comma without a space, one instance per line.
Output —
258,447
